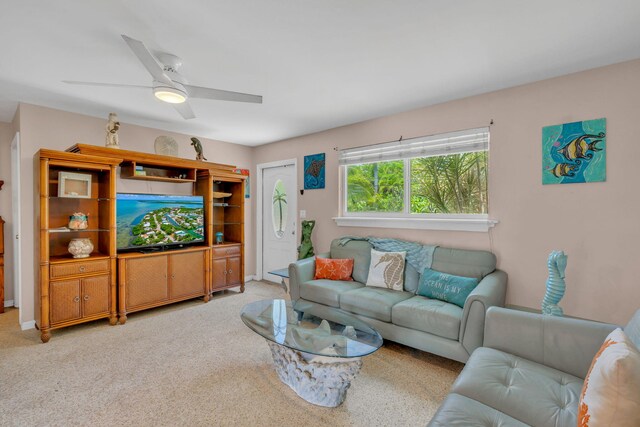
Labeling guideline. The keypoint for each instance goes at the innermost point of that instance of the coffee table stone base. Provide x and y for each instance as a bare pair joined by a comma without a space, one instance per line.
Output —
320,380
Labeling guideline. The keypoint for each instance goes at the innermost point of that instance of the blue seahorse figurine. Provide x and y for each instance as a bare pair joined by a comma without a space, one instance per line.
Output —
556,264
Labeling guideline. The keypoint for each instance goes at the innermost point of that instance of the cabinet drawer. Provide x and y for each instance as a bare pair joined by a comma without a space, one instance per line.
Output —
82,267
225,251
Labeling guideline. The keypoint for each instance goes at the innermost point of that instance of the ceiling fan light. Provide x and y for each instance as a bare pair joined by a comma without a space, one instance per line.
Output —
170,95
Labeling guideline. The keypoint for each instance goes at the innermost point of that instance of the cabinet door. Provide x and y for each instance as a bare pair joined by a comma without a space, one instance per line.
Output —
146,280
233,271
219,273
95,295
64,300
187,274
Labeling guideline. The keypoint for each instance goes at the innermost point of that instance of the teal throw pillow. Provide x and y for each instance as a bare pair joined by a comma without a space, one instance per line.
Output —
446,287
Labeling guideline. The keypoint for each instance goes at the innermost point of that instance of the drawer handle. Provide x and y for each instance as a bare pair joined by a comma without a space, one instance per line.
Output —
230,271
225,272
82,268
76,299
86,297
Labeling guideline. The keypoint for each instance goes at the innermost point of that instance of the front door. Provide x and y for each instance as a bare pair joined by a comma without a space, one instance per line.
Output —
278,219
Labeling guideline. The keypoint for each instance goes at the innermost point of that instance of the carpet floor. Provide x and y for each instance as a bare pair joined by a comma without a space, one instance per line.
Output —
193,363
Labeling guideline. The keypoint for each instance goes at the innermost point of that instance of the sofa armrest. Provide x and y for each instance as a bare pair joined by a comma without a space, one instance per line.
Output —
562,343
302,271
491,291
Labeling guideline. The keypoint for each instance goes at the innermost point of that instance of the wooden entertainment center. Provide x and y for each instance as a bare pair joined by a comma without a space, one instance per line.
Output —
108,284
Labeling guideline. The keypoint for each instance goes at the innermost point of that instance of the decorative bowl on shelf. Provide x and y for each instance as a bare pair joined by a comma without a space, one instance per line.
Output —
220,195
80,247
78,221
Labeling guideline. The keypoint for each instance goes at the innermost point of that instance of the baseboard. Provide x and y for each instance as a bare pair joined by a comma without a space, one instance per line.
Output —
249,278
28,325
8,303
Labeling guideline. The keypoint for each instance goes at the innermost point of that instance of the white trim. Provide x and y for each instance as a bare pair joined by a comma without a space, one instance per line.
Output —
8,303
451,224
249,278
31,324
16,221
259,168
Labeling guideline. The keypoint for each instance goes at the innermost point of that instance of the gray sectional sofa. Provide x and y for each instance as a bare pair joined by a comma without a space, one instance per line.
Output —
402,316
530,371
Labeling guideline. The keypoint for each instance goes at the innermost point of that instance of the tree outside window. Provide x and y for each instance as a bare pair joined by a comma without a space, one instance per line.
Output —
444,184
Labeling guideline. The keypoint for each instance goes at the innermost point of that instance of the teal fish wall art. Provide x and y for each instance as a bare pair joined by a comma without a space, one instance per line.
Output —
574,152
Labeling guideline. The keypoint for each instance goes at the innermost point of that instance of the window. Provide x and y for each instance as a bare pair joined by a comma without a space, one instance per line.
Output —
279,212
438,181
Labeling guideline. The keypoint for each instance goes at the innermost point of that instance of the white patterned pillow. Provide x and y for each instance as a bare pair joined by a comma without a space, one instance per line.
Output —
386,270
611,391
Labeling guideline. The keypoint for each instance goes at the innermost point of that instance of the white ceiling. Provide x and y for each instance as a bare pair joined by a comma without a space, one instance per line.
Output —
319,64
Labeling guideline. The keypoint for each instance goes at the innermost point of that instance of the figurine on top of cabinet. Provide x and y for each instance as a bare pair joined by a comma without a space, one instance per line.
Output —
112,131
197,145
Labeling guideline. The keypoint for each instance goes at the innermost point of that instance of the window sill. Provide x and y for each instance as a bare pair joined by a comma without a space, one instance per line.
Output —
449,224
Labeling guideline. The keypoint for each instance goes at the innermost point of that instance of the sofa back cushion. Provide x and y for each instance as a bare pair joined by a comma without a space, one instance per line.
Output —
460,262
633,329
360,251
464,262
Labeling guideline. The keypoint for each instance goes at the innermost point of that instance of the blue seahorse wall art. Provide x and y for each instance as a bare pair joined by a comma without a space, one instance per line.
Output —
314,171
574,152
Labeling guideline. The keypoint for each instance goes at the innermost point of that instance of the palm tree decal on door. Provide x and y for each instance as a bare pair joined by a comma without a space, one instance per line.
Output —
279,210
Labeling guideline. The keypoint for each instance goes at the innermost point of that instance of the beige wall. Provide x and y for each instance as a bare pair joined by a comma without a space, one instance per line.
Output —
42,127
6,136
595,224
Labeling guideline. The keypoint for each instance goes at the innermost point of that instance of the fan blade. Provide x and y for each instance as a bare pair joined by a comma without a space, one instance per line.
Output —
223,95
185,110
147,59
73,82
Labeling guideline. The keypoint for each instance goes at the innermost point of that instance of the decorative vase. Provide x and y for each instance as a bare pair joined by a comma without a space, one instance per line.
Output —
80,247
219,237
78,221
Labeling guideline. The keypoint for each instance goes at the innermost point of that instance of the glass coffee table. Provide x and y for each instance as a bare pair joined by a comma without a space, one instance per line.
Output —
317,358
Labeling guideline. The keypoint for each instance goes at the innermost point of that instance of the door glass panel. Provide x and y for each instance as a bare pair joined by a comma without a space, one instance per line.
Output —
279,209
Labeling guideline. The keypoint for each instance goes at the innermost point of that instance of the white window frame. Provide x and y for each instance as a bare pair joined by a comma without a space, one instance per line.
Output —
407,220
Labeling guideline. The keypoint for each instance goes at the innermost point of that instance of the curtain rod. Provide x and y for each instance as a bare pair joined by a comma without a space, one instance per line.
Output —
401,138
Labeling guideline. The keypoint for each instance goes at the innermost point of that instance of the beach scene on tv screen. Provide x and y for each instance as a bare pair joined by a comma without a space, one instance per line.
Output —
153,220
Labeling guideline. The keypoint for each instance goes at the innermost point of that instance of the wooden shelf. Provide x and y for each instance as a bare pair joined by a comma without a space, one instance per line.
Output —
150,159
154,172
70,258
85,230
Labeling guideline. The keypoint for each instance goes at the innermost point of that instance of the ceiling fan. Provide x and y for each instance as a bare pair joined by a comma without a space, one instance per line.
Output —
168,85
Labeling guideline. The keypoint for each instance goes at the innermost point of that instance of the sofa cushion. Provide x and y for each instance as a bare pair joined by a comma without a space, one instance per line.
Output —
446,287
411,278
360,251
611,390
333,269
463,262
327,292
428,315
633,329
372,302
386,270
527,391
457,410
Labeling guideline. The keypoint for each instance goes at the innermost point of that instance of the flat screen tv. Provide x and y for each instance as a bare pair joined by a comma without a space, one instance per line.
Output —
153,221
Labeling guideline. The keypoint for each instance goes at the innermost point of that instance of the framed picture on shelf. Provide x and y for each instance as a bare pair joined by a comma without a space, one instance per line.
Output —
74,185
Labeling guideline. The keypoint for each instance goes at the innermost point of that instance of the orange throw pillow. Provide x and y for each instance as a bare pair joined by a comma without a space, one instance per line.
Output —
334,269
